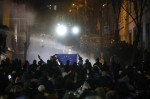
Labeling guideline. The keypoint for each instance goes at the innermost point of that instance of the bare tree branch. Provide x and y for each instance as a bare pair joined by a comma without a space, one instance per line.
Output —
144,5
135,5
129,14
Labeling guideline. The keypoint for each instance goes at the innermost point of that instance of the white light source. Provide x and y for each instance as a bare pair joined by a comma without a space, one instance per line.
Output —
61,30
75,30
42,40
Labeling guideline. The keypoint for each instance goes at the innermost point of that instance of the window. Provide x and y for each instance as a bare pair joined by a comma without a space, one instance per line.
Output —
55,7
50,6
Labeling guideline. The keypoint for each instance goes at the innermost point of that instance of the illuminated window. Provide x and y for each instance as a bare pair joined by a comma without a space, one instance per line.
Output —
50,7
55,7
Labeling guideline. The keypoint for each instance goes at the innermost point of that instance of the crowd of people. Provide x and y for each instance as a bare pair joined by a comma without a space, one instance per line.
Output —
82,80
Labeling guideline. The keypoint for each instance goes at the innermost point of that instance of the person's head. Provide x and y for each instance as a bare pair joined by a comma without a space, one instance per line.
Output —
89,94
26,62
59,82
33,85
122,90
34,62
86,60
40,96
2,63
69,85
75,64
41,88
53,58
97,59
48,61
7,60
101,92
86,86
39,63
111,95
49,87
16,90
68,62
80,58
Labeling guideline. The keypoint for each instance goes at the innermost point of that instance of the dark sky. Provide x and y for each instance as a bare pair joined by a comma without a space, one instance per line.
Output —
39,5
44,18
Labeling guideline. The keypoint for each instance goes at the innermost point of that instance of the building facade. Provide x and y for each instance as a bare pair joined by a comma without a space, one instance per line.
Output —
104,34
128,28
13,15
90,45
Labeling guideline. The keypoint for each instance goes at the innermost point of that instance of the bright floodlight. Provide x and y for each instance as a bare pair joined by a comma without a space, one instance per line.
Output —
61,30
75,30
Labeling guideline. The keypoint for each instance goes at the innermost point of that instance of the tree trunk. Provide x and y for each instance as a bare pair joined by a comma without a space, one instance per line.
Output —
135,45
117,38
25,50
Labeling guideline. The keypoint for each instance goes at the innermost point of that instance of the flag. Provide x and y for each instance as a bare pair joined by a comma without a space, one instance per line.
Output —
64,57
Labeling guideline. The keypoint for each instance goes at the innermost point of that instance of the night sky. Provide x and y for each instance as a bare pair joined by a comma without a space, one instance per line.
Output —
39,5
43,14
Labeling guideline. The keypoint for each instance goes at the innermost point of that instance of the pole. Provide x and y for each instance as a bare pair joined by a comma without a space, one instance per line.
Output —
27,42
85,15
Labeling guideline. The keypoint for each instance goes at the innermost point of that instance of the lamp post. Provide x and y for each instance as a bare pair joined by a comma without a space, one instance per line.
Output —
27,40
84,13
85,4
76,11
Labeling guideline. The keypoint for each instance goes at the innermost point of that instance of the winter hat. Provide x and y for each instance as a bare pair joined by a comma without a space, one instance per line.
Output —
101,92
85,86
41,88
64,74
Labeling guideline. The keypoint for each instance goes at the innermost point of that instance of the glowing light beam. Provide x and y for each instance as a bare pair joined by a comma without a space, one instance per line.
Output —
75,30
61,30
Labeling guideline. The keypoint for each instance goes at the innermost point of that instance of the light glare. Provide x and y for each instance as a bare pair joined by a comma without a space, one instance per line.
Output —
61,30
75,30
